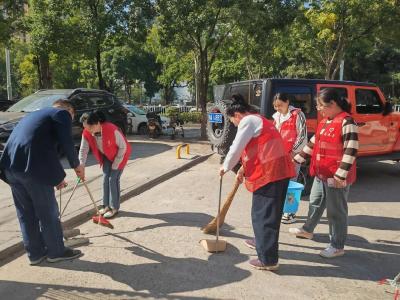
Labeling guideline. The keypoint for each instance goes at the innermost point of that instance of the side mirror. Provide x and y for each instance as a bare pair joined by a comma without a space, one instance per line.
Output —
387,109
130,114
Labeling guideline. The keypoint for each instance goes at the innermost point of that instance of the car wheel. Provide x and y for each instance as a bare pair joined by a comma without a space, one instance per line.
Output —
142,130
122,127
221,135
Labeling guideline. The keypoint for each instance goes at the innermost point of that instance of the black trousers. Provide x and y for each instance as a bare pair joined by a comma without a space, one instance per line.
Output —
266,214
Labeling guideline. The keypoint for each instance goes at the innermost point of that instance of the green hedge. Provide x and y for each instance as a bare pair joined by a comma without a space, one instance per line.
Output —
186,117
191,117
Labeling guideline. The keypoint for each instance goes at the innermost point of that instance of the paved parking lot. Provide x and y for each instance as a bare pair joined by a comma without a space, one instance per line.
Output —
153,252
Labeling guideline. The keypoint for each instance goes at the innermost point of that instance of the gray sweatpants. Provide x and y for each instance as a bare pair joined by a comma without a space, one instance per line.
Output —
335,201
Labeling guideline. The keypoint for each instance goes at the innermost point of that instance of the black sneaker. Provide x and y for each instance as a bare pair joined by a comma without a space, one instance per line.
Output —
288,219
37,261
68,255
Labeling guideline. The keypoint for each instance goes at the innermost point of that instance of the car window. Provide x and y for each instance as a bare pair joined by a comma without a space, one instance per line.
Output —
242,89
367,102
299,97
91,101
247,90
35,102
256,93
99,101
81,102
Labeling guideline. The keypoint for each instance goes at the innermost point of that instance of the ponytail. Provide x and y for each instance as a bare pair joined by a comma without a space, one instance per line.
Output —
344,104
330,94
238,105
93,117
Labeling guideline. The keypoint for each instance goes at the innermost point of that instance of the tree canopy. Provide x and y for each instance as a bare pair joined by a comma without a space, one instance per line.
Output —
121,45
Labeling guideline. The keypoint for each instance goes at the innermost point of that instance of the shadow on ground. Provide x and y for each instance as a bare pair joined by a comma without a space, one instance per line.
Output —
378,177
371,222
17,290
186,219
165,275
356,264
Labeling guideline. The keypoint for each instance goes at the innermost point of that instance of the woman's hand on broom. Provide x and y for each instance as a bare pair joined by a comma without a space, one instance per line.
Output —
80,172
61,185
221,171
240,175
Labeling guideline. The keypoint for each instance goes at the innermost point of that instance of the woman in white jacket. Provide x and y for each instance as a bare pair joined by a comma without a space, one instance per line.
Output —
291,123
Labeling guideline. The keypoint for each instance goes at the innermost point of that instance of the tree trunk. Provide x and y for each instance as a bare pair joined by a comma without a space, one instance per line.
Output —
203,87
102,84
44,73
168,94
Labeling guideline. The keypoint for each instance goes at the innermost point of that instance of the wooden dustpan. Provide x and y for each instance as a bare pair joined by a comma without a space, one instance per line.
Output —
213,245
216,245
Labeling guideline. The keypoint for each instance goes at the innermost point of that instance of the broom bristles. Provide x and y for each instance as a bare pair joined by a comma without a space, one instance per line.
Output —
212,226
102,221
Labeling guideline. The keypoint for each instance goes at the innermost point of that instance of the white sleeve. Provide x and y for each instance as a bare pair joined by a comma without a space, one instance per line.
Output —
120,141
249,127
83,151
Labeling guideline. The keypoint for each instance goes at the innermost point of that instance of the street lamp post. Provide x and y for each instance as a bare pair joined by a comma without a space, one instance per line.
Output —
8,71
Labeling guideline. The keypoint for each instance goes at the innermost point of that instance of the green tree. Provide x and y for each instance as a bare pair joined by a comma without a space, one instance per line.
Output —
321,36
176,66
125,65
51,27
108,23
199,27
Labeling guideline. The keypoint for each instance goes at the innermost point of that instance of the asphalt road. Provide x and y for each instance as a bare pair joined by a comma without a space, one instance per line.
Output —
153,252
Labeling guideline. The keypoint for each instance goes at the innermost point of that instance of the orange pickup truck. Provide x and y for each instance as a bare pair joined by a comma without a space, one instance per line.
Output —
379,126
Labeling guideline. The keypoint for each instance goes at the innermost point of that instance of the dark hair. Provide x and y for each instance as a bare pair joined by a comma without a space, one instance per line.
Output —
63,103
93,117
281,96
329,94
238,105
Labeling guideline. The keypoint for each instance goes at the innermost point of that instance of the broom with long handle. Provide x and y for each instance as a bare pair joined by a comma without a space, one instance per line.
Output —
98,218
220,218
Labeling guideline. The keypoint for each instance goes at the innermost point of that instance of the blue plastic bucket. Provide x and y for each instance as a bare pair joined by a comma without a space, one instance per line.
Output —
293,196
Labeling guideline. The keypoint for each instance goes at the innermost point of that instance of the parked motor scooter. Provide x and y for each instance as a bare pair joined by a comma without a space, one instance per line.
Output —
176,125
154,127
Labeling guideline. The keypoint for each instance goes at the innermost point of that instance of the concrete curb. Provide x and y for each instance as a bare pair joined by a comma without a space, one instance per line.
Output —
16,249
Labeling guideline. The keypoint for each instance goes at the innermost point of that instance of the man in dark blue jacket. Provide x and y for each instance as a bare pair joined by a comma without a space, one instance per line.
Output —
32,168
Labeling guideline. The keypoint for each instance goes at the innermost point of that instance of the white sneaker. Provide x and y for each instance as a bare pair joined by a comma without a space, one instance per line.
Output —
331,252
288,218
103,210
301,233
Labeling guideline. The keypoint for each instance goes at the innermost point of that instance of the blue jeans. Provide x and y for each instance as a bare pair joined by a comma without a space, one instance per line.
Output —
266,214
335,201
38,216
111,185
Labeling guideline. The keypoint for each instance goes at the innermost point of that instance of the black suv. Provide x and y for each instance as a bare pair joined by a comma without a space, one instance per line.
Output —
84,100
4,104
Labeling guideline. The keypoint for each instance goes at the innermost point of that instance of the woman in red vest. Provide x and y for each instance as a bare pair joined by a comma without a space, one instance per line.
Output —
333,151
266,169
112,150
291,124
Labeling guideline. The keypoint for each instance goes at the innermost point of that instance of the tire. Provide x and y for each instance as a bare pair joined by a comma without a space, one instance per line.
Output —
221,135
142,130
122,127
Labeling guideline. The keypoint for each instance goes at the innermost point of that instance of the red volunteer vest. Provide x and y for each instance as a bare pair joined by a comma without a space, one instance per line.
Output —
288,130
110,147
328,150
265,160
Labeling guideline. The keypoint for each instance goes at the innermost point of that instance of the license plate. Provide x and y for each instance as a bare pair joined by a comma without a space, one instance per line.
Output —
215,117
